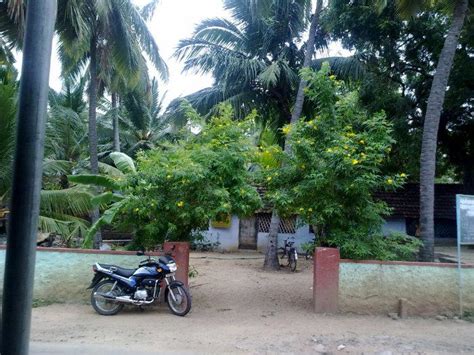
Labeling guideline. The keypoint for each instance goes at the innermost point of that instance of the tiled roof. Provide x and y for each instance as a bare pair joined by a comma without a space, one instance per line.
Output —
405,202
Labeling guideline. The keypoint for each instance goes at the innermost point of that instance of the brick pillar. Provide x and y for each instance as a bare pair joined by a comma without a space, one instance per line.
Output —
180,252
326,280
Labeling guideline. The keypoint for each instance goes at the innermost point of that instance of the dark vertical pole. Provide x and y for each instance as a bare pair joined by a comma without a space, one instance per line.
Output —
21,242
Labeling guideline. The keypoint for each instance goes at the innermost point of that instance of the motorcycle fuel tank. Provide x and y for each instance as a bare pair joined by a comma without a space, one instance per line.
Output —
145,271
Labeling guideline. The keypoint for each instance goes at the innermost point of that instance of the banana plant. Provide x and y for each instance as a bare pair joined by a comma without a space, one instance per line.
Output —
110,195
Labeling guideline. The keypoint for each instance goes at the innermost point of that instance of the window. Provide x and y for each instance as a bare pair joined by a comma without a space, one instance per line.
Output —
287,225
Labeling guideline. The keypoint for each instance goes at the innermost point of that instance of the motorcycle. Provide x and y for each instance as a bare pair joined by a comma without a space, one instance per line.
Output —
114,286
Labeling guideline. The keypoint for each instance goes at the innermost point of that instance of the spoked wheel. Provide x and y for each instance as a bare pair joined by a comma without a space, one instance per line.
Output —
102,305
179,300
292,261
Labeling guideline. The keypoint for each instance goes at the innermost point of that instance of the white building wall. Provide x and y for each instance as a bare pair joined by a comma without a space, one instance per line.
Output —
227,237
394,225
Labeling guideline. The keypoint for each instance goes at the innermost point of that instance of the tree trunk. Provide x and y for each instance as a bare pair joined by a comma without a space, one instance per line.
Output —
94,161
430,130
271,256
115,123
298,108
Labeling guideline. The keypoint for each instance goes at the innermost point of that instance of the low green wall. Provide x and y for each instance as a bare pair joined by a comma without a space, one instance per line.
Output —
64,276
376,288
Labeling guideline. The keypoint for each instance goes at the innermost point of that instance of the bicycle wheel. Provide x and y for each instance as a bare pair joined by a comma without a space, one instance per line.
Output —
292,260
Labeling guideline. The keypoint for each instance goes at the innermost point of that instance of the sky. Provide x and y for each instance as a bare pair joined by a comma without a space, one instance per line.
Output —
173,20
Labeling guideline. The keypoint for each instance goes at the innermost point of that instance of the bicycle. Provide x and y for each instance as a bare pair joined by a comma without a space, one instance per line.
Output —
290,252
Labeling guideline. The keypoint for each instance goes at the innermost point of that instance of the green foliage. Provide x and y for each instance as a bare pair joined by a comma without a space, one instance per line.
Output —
401,56
334,167
361,246
7,135
193,272
177,189
123,162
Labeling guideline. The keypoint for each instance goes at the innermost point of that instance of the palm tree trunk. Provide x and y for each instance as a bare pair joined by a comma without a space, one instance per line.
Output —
295,116
271,256
115,123
430,130
94,161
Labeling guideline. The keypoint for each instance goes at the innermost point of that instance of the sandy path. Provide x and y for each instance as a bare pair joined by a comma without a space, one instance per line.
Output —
239,308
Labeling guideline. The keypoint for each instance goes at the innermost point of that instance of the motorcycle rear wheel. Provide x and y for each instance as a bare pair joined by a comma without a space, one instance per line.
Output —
182,305
102,306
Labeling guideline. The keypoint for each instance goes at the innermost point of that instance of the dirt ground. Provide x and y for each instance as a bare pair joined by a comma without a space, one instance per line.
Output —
238,308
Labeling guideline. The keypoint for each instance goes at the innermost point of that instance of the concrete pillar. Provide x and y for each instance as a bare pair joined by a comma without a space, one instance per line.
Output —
326,280
180,252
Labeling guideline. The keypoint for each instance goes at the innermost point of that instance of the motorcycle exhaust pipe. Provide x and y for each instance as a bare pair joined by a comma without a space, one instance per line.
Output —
122,299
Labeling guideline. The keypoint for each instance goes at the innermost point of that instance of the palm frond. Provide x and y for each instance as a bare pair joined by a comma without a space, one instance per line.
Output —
67,227
55,167
346,68
95,180
73,201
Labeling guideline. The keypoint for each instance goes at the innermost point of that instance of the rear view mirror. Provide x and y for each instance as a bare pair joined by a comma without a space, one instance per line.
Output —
140,253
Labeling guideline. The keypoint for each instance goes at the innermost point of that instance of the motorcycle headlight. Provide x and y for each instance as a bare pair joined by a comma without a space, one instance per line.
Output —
172,267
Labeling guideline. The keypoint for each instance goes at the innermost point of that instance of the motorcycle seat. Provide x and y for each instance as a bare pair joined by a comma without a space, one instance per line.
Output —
119,270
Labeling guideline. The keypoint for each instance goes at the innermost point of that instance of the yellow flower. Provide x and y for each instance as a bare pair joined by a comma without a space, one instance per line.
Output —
269,178
136,209
168,176
301,209
332,77
310,209
298,141
403,175
329,150
389,181
180,204
355,162
362,141
286,129
346,146
303,166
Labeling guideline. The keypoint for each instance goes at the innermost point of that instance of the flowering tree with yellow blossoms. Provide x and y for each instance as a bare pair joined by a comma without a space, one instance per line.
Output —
333,170
178,188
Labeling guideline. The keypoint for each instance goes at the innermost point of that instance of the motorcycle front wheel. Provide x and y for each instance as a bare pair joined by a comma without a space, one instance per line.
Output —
102,305
178,300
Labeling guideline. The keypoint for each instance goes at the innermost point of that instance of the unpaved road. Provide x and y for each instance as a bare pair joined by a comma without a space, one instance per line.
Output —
237,308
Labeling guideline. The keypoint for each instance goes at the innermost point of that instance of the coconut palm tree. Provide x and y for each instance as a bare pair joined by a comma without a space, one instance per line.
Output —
434,108
101,35
144,123
271,258
12,24
254,58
